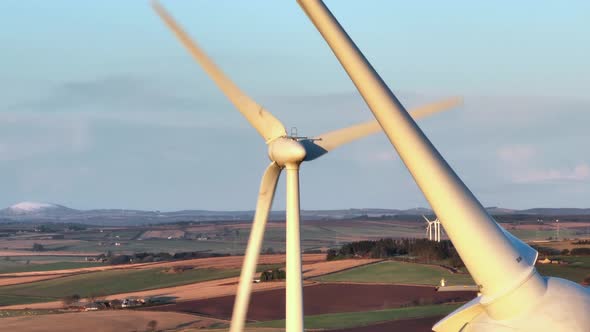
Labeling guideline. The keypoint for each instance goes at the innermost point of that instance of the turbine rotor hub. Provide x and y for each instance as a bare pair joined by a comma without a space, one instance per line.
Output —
286,150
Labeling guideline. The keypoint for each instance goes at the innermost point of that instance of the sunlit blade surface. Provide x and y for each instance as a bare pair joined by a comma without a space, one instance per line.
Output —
265,197
265,123
333,139
294,273
496,262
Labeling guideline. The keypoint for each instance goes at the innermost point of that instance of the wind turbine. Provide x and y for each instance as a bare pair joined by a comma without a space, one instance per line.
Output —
437,230
285,152
515,297
428,227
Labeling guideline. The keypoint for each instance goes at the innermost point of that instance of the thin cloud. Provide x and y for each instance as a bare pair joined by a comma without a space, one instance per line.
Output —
580,172
517,154
525,165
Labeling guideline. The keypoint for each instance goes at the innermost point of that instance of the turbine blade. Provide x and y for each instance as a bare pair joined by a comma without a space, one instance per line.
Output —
497,264
265,197
263,121
329,141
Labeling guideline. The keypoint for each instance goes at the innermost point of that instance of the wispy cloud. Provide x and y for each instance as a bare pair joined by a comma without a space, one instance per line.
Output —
30,135
121,93
580,172
64,120
384,156
524,164
517,154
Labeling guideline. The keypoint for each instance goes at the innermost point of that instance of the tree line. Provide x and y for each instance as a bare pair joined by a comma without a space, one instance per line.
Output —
419,250
148,257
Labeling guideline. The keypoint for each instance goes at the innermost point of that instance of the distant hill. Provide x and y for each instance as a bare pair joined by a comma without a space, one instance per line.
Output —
557,212
31,209
49,212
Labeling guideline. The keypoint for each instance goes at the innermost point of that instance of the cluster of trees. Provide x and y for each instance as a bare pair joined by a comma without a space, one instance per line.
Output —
51,228
67,300
147,257
274,274
580,252
421,250
545,251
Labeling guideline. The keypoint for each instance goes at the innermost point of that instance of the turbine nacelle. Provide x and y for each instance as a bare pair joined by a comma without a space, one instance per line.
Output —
286,151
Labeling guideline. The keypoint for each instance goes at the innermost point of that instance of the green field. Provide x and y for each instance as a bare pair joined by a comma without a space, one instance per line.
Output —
577,269
105,283
110,282
40,259
409,273
399,272
20,299
313,236
14,267
353,319
531,234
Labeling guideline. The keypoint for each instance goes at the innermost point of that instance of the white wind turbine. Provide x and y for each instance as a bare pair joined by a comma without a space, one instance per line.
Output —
285,152
515,297
429,229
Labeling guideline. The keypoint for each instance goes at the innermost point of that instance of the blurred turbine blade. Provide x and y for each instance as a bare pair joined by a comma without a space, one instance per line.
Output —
263,121
333,139
265,197
500,263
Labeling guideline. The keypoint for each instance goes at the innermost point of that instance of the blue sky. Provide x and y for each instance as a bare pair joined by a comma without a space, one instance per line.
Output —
102,107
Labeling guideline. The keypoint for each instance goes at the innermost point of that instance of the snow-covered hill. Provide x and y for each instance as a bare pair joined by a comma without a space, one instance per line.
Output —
35,208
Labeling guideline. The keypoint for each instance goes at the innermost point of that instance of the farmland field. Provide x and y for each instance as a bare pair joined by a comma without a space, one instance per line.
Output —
355,319
106,321
105,283
577,269
323,298
21,267
399,272
232,238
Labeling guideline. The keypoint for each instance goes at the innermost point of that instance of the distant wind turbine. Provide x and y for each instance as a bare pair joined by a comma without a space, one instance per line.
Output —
428,227
515,297
285,152
429,230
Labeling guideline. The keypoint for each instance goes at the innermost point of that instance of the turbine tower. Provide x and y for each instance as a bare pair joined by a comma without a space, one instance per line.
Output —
285,152
515,297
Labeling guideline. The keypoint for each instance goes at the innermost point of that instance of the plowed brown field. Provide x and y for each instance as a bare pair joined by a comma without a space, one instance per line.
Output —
323,298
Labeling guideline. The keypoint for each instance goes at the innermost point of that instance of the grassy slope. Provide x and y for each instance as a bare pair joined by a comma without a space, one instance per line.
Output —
399,272
352,319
